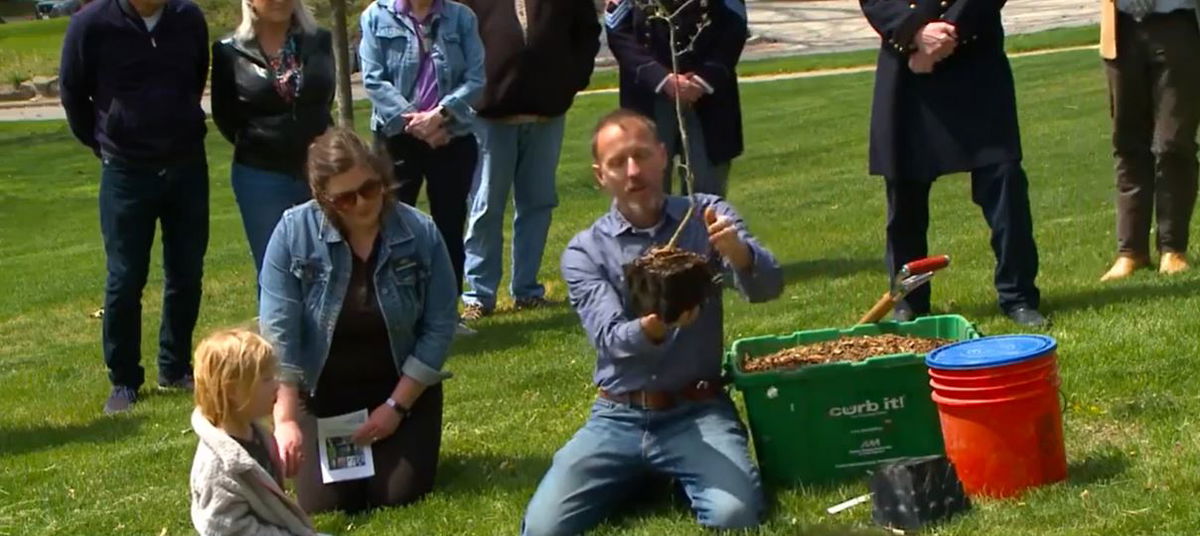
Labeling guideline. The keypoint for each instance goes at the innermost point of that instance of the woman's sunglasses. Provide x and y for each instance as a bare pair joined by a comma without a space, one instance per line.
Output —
347,200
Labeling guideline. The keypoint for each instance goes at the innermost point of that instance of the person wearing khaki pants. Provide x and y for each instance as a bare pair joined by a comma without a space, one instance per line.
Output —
1151,51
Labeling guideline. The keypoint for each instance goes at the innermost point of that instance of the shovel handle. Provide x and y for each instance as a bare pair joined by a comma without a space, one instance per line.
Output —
928,264
879,310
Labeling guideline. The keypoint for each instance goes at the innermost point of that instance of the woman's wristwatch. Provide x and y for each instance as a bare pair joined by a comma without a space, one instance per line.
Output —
398,408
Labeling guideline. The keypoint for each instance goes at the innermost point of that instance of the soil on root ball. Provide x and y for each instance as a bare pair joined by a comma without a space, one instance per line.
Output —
668,282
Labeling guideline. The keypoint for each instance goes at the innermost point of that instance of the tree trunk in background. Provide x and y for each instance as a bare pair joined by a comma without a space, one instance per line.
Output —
341,59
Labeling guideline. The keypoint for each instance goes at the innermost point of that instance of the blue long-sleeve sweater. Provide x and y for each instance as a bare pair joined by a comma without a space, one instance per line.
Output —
133,93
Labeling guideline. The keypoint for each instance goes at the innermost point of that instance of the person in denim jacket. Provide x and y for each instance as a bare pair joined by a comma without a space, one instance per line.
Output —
358,301
422,67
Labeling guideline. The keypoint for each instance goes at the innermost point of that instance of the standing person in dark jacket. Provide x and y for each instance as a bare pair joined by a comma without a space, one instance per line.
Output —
945,103
540,53
271,95
132,74
709,36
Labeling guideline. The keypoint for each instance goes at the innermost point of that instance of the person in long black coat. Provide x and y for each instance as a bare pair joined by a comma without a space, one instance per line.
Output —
710,36
944,102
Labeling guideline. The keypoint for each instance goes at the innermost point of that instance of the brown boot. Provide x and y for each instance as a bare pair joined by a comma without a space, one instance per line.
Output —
1172,262
1124,267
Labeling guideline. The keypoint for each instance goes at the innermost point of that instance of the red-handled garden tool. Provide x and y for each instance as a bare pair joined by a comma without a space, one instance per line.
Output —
911,276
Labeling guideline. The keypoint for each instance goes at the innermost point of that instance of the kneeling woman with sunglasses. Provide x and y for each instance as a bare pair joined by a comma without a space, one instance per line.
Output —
358,299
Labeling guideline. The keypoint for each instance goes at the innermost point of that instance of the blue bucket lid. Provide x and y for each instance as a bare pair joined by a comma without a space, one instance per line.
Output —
988,352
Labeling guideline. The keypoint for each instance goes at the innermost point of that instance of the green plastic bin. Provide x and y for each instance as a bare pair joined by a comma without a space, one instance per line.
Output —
825,423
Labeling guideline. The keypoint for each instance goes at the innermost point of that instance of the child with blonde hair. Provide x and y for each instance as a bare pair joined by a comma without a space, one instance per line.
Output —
236,481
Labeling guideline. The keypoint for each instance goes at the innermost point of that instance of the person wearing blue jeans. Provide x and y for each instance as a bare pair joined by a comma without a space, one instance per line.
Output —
133,198
661,408
131,75
521,157
535,66
262,196
272,91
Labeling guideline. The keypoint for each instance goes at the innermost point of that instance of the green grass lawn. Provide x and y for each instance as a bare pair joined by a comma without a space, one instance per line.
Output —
30,48
522,386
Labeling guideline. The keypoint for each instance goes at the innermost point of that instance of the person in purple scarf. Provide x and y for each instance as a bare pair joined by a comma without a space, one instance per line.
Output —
422,67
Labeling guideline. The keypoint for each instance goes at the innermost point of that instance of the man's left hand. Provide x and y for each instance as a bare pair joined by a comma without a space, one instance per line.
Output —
690,90
723,235
921,63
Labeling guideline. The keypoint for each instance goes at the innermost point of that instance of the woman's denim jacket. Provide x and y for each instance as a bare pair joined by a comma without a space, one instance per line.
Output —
304,280
390,52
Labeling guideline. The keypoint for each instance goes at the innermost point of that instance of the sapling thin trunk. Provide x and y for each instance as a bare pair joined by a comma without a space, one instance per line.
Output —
667,280
661,12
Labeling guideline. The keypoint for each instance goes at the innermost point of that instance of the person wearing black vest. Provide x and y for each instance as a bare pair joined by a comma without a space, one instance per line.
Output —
131,77
272,90
945,103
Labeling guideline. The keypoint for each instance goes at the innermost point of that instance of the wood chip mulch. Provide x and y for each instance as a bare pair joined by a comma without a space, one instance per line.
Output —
842,349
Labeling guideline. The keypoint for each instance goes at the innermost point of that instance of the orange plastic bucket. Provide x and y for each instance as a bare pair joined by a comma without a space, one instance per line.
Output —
1007,374
992,392
1002,424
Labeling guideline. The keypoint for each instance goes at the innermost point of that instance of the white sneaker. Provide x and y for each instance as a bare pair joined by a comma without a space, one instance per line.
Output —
461,330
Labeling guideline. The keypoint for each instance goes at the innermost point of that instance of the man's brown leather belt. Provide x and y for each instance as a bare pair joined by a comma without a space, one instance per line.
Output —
662,400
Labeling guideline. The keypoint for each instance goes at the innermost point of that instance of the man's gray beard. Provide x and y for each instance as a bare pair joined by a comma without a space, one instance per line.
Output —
640,210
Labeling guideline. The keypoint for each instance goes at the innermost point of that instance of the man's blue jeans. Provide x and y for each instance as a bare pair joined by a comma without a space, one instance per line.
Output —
522,157
262,196
134,199
702,445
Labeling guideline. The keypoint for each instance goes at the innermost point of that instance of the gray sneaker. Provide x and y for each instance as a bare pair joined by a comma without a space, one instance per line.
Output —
120,400
461,330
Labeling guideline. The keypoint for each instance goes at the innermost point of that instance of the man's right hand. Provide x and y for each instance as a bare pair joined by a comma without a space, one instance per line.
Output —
656,330
937,39
289,439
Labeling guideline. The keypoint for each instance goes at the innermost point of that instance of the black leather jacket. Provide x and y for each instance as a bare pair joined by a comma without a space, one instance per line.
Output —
268,132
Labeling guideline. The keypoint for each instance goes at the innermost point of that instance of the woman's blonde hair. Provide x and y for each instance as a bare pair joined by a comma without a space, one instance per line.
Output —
301,17
227,365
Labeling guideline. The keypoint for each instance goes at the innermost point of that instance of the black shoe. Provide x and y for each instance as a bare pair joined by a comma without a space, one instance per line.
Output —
186,383
1028,317
120,400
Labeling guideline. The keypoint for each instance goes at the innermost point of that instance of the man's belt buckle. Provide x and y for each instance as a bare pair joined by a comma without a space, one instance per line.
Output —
642,402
